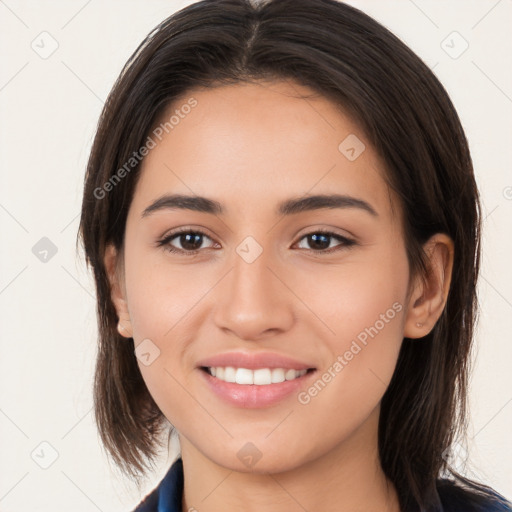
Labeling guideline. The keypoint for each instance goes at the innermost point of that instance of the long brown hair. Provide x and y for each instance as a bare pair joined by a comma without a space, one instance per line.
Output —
406,114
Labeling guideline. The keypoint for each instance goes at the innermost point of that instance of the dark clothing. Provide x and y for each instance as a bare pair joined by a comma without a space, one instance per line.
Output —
166,497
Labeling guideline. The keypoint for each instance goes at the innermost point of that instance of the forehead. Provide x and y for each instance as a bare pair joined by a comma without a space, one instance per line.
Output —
250,146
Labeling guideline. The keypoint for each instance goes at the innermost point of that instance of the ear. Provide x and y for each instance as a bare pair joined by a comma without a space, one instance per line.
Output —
115,272
430,292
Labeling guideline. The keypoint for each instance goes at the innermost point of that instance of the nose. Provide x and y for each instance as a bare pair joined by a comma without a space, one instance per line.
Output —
254,302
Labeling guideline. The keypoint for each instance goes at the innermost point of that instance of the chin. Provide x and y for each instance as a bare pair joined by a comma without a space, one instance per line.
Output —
247,457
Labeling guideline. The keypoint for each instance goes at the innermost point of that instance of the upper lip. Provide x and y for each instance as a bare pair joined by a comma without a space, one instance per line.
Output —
254,361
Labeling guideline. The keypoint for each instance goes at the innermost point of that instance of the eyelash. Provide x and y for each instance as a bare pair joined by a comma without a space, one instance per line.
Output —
346,242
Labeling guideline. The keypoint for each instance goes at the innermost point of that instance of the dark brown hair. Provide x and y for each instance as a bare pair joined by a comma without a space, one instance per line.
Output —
406,114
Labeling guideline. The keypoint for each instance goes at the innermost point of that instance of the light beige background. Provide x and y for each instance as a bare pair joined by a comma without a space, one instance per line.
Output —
49,109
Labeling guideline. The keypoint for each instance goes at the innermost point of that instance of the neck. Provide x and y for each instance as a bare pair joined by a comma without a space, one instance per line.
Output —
349,477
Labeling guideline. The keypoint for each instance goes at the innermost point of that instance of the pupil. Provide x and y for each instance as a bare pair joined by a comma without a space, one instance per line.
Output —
321,245
188,244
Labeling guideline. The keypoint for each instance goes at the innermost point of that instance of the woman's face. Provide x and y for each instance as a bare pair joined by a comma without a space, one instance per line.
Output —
265,292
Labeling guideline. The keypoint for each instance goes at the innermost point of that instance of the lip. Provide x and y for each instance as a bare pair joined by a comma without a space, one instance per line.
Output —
255,360
252,396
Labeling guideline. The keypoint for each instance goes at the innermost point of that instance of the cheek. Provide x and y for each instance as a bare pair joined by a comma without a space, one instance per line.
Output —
160,295
357,297
367,321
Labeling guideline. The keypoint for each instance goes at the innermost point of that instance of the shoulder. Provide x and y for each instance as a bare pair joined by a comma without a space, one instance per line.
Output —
458,498
168,494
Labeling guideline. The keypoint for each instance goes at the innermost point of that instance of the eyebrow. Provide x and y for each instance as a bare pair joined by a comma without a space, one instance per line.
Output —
288,207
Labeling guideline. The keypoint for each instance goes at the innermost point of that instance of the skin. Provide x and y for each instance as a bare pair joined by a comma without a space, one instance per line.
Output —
250,147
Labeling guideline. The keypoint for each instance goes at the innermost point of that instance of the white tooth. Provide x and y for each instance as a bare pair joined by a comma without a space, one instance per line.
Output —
262,377
277,375
244,376
290,374
213,371
219,372
229,374
302,372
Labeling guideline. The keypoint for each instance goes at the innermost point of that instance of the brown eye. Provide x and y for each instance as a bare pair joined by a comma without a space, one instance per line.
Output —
190,241
320,241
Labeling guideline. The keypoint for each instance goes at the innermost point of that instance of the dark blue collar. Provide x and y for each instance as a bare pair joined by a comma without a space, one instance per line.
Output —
167,496
171,489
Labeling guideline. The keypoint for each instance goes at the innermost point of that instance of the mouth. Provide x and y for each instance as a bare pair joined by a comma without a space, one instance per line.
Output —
256,377
255,388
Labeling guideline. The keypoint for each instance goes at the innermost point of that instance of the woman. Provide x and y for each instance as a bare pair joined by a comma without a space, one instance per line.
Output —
283,222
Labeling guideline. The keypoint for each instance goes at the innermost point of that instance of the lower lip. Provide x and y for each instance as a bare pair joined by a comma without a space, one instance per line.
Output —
252,396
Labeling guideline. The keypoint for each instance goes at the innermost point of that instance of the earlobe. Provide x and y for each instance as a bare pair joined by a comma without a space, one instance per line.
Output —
428,299
117,292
